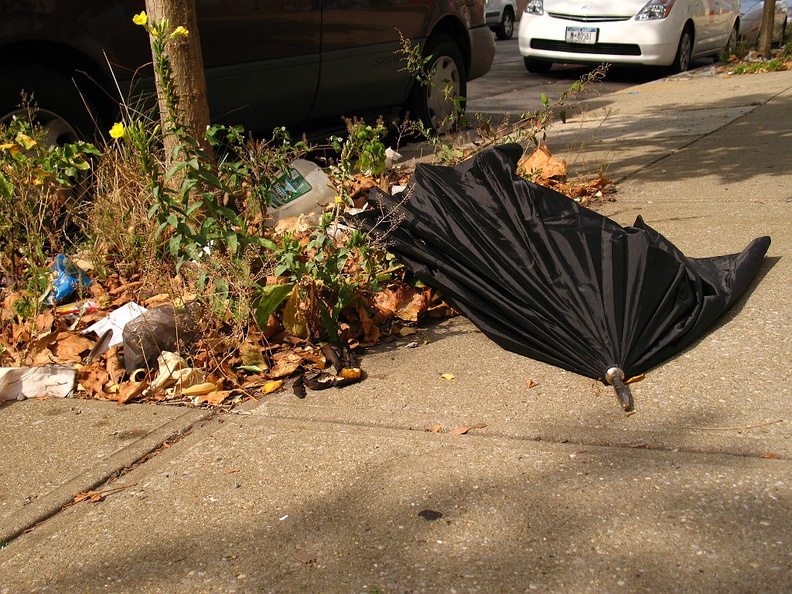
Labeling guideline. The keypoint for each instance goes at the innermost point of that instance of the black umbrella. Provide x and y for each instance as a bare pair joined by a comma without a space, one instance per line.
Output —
552,280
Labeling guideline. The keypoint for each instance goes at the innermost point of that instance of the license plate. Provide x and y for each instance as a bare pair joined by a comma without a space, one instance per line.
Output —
581,35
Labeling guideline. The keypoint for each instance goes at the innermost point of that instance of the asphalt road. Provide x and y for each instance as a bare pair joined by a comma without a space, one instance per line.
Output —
510,89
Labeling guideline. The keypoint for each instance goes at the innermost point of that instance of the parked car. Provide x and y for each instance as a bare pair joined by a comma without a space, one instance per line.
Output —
268,63
500,15
751,12
669,33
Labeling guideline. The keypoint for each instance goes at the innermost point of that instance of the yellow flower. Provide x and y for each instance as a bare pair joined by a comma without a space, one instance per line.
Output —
140,19
118,130
179,32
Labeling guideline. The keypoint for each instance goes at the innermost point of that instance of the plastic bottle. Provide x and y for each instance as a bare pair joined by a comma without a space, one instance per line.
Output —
301,190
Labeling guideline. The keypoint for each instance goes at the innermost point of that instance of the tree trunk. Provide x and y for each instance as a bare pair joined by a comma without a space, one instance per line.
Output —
188,72
766,32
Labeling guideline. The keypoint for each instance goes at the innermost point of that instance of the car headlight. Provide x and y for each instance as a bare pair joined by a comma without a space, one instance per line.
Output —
655,9
535,7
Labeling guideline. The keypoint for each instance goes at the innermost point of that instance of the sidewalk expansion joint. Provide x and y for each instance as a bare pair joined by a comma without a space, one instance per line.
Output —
572,438
114,466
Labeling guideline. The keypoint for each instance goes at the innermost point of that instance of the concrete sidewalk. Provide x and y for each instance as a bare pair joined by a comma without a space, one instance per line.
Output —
346,491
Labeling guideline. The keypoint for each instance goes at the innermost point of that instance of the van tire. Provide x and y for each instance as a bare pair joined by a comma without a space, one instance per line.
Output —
427,103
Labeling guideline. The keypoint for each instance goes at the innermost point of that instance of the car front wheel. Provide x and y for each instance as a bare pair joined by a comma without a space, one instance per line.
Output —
506,28
684,52
437,103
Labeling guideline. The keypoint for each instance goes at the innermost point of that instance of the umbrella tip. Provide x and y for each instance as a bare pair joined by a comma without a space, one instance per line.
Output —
615,377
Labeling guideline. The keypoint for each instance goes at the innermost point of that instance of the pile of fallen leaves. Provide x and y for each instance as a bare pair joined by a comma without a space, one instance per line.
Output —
544,169
218,368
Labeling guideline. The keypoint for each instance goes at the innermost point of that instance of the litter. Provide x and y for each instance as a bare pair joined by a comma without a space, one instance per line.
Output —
19,383
550,279
154,332
115,322
303,189
67,278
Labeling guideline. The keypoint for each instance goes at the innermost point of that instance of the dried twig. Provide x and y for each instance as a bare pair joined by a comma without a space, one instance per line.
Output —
94,496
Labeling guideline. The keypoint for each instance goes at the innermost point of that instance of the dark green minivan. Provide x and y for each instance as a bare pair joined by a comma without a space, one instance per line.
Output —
303,64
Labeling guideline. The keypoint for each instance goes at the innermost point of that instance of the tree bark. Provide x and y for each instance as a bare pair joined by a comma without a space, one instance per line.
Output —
188,72
766,31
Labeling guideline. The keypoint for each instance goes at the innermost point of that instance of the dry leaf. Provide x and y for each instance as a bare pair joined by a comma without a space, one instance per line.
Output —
156,300
70,347
371,331
542,162
294,319
43,357
270,387
114,367
251,355
130,391
198,389
466,428
435,429
92,379
285,367
95,496
214,398
124,288
404,301
531,384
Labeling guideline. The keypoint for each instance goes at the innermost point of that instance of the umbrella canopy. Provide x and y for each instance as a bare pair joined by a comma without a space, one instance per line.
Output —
552,280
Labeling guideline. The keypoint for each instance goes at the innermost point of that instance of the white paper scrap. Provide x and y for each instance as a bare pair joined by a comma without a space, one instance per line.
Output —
116,322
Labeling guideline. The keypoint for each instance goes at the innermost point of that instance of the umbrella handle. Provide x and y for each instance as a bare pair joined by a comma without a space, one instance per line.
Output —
615,377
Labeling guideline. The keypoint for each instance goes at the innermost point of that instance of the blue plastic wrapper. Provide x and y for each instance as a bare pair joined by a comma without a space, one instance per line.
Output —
68,277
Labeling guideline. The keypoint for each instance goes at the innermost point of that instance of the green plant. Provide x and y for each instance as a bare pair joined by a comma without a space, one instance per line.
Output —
190,201
529,127
249,167
41,190
417,66
328,272
361,150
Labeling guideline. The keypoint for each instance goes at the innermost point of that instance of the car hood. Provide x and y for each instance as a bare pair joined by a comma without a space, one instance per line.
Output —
595,7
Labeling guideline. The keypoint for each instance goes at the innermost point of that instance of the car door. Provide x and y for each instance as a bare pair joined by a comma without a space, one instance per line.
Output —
727,13
360,69
261,59
705,17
